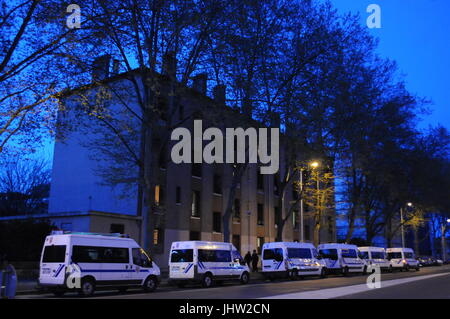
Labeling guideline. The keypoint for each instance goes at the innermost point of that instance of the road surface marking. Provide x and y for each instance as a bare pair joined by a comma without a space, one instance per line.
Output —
348,290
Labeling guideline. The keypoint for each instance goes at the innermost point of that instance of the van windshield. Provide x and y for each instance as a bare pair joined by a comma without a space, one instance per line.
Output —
54,254
364,255
182,256
409,255
299,253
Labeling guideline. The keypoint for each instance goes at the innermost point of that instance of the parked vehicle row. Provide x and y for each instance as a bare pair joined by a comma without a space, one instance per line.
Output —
88,262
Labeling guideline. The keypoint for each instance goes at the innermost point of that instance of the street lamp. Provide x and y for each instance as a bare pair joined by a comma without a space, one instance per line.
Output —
402,223
315,164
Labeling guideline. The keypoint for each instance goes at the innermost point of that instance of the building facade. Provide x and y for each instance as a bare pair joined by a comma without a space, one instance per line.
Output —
189,199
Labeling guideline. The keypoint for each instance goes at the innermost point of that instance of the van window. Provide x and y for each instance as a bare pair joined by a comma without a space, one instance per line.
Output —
236,255
409,255
377,255
92,254
140,258
54,254
214,255
182,256
364,254
329,253
349,253
394,256
299,253
275,253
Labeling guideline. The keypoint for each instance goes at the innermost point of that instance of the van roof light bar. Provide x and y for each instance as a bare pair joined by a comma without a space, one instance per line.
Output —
66,232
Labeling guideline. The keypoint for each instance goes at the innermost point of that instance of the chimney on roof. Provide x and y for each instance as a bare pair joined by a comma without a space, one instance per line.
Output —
219,92
169,66
100,67
199,83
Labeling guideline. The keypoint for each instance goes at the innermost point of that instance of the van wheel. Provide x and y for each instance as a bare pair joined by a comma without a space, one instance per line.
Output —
245,278
345,272
207,281
150,284
417,268
87,287
407,268
391,270
323,273
294,274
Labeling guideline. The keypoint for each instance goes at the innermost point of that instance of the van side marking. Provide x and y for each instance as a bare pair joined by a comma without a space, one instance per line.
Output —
188,268
61,266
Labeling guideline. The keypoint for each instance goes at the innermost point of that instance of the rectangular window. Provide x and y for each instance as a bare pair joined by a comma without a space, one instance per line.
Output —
217,184
394,256
306,232
259,244
303,253
195,211
157,195
329,253
157,236
377,255
54,254
117,229
273,254
178,195
182,256
194,235
218,256
260,214
276,215
140,258
349,253
237,242
237,209
91,254
217,222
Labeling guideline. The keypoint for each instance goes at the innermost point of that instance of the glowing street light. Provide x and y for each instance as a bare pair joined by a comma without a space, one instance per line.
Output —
315,164
410,205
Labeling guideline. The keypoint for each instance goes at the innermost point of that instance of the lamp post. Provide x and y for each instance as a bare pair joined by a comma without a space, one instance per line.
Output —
402,224
315,165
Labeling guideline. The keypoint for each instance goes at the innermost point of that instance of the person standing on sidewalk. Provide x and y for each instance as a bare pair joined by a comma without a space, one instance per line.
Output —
9,279
255,260
248,259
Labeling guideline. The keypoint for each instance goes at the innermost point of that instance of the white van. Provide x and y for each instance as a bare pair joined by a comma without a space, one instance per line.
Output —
342,258
291,260
375,256
402,258
205,262
97,261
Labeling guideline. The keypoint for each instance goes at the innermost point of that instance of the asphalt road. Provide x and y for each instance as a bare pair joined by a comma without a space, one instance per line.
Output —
434,287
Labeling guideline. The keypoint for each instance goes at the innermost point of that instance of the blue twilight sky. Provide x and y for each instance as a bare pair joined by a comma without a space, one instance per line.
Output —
416,34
